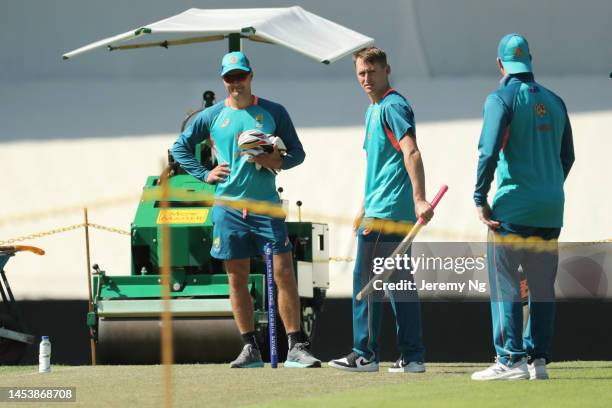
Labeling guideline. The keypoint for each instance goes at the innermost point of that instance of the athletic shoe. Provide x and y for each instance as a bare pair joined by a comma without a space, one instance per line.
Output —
499,371
300,357
249,357
354,362
537,369
401,366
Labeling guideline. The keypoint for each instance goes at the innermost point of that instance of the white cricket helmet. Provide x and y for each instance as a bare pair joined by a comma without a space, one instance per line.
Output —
255,142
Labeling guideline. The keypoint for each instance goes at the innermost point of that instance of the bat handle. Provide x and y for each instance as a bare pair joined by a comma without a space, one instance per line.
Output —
436,200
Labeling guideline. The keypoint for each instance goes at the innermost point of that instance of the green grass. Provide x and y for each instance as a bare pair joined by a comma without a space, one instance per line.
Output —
584,384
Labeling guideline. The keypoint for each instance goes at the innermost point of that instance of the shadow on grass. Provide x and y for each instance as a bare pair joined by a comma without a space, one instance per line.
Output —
579,368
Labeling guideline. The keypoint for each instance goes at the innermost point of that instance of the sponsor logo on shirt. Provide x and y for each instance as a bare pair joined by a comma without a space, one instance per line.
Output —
259,119
534,89
225,123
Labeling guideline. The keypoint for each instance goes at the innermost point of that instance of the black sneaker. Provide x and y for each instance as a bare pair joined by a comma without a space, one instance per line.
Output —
354,362
401,366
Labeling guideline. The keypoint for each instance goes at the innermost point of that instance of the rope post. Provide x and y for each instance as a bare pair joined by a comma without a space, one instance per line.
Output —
166,315
92,343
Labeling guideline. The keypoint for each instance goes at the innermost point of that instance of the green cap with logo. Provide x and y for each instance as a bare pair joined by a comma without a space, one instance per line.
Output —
513,51
235,60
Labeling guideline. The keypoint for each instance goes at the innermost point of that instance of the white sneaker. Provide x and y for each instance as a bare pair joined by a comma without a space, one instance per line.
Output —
537,369
354,362
499,371
401,366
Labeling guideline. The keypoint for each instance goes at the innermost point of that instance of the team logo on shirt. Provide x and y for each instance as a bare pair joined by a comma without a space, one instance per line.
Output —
540,109
225,123
259,119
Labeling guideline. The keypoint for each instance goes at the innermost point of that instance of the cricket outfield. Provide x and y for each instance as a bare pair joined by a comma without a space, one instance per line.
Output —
586,384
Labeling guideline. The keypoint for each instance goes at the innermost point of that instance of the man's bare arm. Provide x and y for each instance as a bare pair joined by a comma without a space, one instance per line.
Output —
414,167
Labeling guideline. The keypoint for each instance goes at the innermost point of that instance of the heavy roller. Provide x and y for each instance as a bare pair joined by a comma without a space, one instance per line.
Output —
14,336
125,316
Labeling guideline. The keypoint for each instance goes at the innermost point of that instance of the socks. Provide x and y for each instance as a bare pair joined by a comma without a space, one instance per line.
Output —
295,337
249,338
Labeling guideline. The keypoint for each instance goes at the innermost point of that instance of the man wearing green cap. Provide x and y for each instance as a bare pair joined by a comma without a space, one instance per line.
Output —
527,137
240,234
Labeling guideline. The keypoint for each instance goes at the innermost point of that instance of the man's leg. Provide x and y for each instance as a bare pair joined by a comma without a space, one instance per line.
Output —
288,299
273,230
366,313
506,311
540,267
242,304
407,310
230,243
506,307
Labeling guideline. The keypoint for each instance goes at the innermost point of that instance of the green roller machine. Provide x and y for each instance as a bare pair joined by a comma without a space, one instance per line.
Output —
125,317
125,310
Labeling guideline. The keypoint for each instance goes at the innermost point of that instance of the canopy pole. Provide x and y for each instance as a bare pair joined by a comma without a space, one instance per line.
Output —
235,42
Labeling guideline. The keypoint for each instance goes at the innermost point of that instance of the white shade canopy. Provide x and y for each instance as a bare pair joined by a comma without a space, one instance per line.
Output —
292,27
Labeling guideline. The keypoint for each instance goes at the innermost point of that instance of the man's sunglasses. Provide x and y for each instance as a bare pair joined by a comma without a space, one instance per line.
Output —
230,78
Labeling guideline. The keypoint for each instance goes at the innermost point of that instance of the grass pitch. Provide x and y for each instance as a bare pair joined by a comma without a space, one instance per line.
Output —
585,384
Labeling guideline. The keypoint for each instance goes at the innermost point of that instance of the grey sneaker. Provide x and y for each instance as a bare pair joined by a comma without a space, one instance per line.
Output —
300,357
249,357
537,369
402,366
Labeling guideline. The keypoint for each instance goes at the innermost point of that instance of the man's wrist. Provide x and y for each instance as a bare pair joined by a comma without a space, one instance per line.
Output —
480,201
205,176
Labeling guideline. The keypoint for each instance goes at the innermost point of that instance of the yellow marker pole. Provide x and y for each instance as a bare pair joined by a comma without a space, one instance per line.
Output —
92,343
166,315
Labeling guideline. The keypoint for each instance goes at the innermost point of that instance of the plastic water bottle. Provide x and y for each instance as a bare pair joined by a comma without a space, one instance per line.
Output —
44,355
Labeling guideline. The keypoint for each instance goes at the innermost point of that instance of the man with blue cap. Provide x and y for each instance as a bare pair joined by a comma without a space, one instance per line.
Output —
527,137
238,233
394,194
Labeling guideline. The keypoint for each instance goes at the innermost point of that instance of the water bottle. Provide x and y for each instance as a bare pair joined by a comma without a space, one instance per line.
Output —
44,355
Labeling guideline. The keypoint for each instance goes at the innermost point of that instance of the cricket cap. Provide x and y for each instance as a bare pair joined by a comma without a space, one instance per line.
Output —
513,51
235,60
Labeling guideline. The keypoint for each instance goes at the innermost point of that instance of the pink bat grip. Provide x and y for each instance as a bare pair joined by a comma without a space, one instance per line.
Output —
436,200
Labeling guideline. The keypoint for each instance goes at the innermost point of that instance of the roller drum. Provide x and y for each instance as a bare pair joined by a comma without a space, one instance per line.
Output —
195,340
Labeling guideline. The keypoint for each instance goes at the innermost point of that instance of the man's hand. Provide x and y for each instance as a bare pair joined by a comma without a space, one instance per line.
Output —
484,213
272,160
357,223
218,174
423,210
